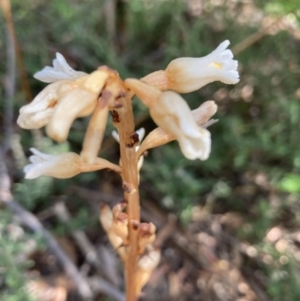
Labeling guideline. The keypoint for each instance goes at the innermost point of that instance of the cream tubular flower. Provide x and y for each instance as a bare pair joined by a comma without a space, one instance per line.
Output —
173,115
170,112
62,166
159,137
71,94
187,74
38,113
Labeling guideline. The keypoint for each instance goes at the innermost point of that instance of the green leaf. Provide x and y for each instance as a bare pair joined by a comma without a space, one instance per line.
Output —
290,183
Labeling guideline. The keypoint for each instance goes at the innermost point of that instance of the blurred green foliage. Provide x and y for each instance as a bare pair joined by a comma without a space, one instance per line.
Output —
12,261
259,119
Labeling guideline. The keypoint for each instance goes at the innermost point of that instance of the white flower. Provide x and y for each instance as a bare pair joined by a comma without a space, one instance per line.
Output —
62,166
61,70
188,74
170,112
160,137
70,95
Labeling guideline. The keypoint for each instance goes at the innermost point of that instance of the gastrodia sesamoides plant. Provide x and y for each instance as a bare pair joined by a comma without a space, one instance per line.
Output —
71,94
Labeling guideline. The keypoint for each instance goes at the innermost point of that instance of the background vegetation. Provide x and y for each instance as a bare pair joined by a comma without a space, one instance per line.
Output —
234,218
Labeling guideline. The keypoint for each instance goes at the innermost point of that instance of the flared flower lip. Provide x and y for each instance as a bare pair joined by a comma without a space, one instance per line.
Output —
36,167
61,70
189,74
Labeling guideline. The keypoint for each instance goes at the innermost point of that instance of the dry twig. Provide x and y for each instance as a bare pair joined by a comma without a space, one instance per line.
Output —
84,244
30,221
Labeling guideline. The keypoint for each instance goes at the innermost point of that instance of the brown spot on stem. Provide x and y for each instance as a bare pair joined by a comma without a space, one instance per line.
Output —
135,224
118,100
133,140
127,187
115,116
124,202
104,98
122,217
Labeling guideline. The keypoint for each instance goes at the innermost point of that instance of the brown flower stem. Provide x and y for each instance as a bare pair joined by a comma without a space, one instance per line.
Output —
124,121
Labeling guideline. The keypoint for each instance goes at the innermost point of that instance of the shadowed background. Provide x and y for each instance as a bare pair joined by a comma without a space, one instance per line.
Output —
228,227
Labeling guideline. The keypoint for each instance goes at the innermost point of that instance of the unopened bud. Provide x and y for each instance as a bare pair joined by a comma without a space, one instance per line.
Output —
146,266
120,221
146,236
110,227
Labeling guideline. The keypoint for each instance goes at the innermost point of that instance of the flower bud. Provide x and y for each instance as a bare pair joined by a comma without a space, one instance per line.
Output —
106,220
120,221
146,266
146,236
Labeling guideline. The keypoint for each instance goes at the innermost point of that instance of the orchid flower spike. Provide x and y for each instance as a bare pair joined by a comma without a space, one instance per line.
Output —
170,112
187,74
62,166
71,94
